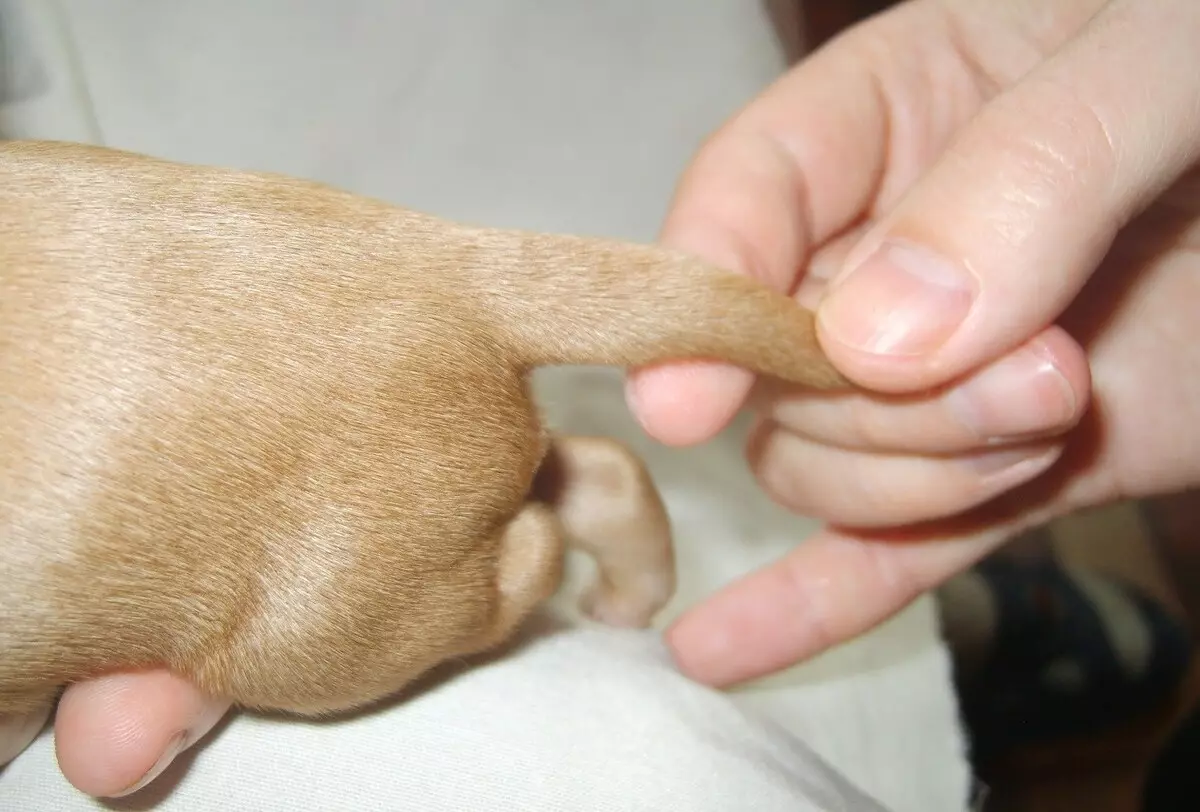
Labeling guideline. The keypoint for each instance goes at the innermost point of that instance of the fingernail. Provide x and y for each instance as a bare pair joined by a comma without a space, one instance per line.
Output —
1023,395
1012,463
173,749
903,300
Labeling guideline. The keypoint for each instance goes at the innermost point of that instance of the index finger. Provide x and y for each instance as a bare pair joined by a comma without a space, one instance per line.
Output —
799,164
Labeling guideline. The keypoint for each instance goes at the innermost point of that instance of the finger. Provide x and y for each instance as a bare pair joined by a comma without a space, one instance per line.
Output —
871,490
18,730
830,589
825,263
841,583
1039,390
116,734
994,241
794,168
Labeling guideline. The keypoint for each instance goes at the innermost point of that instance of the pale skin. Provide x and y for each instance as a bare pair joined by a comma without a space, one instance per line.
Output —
1046,153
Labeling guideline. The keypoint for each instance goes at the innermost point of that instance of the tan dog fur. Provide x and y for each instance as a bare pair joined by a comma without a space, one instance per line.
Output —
278,437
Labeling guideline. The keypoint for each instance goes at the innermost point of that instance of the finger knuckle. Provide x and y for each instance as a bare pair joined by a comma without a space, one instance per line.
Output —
1063,151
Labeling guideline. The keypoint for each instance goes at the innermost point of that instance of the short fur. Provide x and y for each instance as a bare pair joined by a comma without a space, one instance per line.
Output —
279,438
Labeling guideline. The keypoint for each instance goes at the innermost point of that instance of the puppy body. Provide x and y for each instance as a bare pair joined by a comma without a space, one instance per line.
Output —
279,438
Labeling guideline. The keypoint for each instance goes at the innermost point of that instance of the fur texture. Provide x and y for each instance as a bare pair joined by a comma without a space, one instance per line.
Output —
279,437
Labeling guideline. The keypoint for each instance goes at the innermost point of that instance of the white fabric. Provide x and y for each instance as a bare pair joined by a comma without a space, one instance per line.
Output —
585,721
573,116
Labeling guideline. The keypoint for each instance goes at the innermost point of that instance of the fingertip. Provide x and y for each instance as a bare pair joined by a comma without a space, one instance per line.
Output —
115,734
1070,360
686,404
885,317
701,650
728,638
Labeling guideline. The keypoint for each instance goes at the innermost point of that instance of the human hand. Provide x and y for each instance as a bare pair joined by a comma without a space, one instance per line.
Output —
115,734
943,182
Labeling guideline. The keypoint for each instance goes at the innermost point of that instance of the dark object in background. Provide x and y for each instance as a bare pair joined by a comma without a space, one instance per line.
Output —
1174,780
824,19
1054,671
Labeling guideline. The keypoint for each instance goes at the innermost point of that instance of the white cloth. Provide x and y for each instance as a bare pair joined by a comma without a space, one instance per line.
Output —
572,116
583,721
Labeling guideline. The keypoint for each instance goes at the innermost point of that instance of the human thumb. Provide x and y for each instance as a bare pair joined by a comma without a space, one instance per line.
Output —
996,239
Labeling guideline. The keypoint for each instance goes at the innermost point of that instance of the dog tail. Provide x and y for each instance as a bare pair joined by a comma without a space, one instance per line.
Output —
583,301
